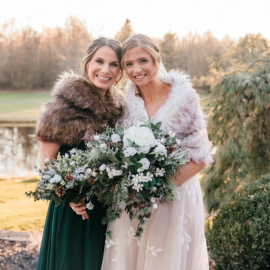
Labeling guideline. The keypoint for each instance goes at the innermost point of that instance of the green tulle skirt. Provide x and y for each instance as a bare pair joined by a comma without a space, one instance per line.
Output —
70,243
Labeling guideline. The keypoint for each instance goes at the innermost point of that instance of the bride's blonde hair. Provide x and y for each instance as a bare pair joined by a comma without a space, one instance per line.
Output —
145,42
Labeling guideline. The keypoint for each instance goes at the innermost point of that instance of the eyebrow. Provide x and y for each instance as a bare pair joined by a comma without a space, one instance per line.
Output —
103,60
138,59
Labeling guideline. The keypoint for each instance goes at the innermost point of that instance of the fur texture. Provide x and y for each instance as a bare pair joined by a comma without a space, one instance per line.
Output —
181,113
76,111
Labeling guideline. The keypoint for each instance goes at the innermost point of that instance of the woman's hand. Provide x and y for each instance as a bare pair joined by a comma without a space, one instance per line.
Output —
79,208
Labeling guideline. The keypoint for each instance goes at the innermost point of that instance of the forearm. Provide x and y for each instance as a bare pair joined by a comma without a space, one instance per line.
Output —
187,171
48,150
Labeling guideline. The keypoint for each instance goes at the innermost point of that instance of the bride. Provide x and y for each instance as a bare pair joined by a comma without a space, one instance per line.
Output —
174,235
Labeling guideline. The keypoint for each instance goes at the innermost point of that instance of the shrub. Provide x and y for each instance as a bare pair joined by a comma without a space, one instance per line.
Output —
240,234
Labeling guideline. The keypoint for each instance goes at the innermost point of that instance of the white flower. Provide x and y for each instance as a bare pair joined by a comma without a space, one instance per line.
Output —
153,200
137,187
159,172
116,172
130,151
160,149
50,186
66,155
155,206
94,174
89,206
56,179
96,137
51,171
154,189
73,151
79,170
142,136
115,138
145,162
88,171
46,160
171,133
62,183
102,167
162,140
103,145
72,163
178,141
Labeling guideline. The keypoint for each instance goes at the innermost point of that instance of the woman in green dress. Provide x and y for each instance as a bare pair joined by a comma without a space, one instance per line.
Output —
80,106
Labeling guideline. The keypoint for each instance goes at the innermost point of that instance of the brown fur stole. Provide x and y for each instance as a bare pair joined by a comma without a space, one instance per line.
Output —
76,111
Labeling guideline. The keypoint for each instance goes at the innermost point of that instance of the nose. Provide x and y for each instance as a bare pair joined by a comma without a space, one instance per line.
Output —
105,69
137,68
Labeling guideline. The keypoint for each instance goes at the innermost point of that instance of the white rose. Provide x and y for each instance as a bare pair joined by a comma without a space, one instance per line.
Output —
56,179
160,149
51,171
115,138
94,174
153,200
96,137
142,136
46,160
130,152
66,155
102,167
145,162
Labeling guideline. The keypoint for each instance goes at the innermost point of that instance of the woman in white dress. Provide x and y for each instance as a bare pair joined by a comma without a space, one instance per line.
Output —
173,238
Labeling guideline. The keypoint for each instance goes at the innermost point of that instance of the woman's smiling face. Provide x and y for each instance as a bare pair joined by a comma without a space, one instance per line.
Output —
104,68
140,66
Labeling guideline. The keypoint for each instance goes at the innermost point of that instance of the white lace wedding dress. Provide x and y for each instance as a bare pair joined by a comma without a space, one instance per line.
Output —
173,238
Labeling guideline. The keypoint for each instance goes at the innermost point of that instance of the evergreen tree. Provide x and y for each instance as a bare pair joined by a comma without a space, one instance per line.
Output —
239,120
125,32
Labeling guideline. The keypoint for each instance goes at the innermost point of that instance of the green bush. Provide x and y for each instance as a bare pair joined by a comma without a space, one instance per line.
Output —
240,233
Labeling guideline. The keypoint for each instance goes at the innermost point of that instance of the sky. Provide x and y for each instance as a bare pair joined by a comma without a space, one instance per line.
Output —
151,17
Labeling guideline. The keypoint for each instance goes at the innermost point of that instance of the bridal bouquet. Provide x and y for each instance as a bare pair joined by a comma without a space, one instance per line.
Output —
136,167
65,179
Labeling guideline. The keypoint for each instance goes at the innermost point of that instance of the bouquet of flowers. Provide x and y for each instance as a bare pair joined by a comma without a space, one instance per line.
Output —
65,179
136,167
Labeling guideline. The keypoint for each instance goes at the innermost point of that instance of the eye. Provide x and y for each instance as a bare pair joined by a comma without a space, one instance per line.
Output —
99,61
143,61
114,64
128,64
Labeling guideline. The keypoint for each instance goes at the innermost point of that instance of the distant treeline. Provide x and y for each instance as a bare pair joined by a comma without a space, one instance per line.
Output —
32,60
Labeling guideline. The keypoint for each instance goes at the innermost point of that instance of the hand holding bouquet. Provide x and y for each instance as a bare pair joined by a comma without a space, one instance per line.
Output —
65,179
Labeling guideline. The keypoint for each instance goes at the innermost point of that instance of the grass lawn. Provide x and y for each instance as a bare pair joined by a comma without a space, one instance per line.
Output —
18,212
21,106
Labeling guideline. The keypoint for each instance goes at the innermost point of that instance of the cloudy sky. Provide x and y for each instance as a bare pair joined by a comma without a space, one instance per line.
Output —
151,17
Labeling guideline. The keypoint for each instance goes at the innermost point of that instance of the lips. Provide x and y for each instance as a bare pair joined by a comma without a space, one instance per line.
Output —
139,77
103,78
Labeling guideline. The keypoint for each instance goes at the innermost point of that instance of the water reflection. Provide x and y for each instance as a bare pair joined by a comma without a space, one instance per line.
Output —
18,152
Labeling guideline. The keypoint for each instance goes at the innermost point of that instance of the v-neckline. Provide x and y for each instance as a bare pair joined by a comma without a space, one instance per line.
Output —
137,94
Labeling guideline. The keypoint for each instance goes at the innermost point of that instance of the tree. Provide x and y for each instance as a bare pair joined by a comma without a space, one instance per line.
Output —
125,32
239,120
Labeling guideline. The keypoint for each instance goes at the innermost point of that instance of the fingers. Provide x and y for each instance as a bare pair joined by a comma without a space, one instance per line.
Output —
78,208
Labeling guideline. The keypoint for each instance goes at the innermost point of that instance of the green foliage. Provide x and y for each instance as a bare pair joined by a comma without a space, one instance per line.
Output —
239,237
239,121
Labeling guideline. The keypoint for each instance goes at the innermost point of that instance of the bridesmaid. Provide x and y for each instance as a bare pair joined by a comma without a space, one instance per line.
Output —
79,107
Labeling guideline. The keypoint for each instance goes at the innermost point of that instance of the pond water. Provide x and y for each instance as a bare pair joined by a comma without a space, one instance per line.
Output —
19,153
